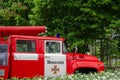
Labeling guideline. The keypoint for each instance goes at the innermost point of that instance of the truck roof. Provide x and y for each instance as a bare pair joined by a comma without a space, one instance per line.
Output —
21,30
36,37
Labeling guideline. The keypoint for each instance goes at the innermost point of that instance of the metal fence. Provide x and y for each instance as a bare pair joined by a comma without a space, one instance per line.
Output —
108,51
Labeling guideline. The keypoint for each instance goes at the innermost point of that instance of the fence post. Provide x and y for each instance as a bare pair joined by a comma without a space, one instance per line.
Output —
101,50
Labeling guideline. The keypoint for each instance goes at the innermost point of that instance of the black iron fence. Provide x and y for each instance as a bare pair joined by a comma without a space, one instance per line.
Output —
108,51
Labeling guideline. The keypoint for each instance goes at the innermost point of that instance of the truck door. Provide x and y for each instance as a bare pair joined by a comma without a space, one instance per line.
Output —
55,61
25,60
4,60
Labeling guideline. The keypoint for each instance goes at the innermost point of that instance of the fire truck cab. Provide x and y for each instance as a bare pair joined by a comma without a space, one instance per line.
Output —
29,55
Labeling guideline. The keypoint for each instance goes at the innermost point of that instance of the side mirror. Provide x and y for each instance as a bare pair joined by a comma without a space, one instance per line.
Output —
75,49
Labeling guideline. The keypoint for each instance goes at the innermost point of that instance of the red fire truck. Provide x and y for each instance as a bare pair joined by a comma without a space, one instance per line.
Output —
25,54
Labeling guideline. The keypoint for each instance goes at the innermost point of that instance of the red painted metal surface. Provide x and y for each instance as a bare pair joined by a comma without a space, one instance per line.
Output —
21,30
27,68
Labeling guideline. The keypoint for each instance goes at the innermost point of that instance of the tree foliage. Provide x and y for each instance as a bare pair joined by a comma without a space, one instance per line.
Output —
79,21
15,12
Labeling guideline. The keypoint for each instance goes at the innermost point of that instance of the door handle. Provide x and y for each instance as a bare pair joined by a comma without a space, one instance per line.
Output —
47,56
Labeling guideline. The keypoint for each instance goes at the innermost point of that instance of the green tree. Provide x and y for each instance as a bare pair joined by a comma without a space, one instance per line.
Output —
79,21
15,12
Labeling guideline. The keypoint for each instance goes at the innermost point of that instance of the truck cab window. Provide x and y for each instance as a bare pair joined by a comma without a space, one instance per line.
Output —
25,46
52,47
3,54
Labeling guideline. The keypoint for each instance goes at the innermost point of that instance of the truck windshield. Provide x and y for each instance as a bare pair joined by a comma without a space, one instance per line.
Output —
64,48
3,54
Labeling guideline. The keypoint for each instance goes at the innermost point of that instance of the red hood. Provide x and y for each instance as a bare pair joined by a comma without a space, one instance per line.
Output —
84,57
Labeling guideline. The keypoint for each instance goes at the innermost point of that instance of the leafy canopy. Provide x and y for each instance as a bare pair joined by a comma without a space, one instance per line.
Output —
79,21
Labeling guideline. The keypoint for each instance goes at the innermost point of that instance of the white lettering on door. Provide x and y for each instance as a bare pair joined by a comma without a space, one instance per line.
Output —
55,64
